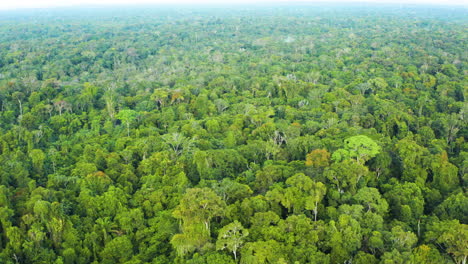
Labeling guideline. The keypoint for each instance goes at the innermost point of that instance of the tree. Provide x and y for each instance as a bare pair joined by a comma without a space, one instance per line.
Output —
262,252
88,95
371,199
196,209
301,193
38,157
403,240
317,191
62,105
414,159
110,98
381,164
270,174
378,84
360,147
128,117
231,237
178,143
346,175
161,96
454,207
118,250
426,254
343,238
231,190
445,174
406,202
452,237
318,158
19,97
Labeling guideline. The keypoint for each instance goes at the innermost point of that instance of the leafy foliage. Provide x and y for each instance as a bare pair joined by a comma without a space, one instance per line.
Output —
303,134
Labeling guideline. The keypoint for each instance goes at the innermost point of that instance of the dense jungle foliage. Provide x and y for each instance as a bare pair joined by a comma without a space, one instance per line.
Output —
302,134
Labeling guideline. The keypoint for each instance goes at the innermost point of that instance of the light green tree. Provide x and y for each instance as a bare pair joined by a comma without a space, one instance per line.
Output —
127,116
453,236
231,237
361,148
196,209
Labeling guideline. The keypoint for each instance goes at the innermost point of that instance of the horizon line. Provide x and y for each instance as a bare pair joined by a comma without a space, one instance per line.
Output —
233,3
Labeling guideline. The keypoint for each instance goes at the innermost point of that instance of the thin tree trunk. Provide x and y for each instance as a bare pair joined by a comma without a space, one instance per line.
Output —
315,211
21,107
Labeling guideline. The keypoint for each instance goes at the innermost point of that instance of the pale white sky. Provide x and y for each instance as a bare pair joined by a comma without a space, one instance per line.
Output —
14,4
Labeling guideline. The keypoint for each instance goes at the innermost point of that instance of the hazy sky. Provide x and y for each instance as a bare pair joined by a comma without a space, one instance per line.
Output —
14,4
